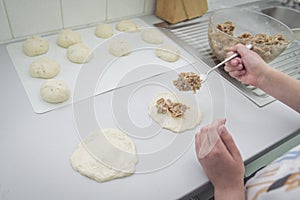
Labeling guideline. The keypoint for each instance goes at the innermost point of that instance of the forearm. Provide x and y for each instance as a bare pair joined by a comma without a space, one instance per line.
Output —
282,87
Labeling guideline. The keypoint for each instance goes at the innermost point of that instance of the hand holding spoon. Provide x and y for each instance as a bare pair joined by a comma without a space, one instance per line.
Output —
203,77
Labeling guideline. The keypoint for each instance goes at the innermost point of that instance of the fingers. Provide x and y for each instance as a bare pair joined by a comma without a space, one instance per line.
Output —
237,74
207,139
199,138
233,62
239,48
204,144
233,67
242,50
229,143
218,122
198,141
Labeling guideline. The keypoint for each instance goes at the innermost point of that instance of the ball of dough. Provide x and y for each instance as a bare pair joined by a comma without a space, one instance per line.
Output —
79,53
44,67
168,53
104,31
120,48
152,36
127,26
192,116
35,45
68,37
55,91
105,155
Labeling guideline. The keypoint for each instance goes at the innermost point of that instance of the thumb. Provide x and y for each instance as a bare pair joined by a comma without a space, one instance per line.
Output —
229,143
242,50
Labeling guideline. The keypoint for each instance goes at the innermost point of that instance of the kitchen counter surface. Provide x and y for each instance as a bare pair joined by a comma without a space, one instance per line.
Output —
35,148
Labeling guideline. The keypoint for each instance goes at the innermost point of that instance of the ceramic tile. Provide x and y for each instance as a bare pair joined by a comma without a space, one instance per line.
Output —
34,16
78,12
5,33
124,8
219,4
150,6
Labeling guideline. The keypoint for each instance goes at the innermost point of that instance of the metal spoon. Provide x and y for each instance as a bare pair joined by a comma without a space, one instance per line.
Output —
203,77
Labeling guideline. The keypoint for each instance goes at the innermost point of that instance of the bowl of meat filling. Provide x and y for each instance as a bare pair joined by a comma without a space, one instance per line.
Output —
228,27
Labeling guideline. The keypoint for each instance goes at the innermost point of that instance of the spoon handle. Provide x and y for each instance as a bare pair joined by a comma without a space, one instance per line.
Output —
249,46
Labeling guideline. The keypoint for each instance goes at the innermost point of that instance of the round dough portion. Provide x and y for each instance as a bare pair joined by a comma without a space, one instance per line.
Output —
152,36
191,118
44,67
127,26
68,37
120,48
168,53
79,53
55,91
105,155
104,31
35,46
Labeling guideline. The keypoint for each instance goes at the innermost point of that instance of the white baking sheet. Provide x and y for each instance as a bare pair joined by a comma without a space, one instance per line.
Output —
103,73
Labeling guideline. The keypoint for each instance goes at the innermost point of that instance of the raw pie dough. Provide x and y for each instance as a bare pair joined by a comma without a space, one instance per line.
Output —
79,53
35,45
152,36
191,118
68,37
104,31
167,53
105,155
120,48
127,26
55,91
44,67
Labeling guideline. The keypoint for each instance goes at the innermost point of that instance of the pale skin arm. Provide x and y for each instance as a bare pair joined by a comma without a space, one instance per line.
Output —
252,70
223,163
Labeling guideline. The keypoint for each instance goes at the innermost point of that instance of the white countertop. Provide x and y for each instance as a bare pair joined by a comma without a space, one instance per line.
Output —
35,148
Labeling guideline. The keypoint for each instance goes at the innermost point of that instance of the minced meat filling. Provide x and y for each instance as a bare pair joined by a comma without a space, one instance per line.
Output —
176,109
188,81
227,27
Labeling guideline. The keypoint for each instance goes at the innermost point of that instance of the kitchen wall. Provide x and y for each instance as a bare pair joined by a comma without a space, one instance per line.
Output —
21,18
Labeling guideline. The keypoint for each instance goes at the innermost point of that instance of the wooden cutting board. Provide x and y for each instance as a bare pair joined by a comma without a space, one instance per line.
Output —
174,11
